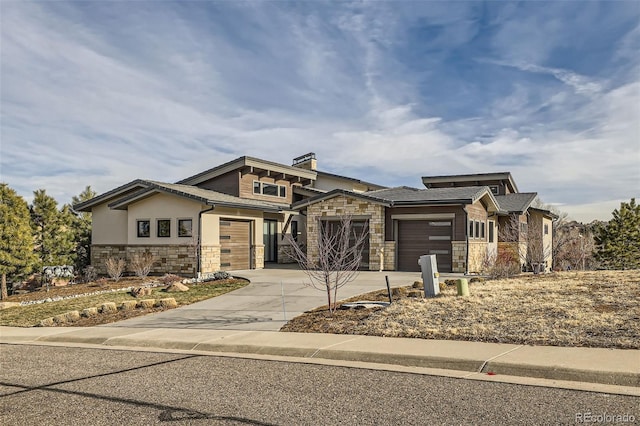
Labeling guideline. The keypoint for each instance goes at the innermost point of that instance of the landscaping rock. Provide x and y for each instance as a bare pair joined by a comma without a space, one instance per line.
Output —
415,293
89,312
108,307
146,303
128,305
72,316
418,284
169,302
175,287
141,291
5,305
60,319
47,322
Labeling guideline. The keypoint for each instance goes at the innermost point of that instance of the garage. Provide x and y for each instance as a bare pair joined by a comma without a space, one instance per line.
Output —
235,245
419,237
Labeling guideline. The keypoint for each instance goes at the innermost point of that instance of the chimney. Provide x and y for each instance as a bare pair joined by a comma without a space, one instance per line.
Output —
306,161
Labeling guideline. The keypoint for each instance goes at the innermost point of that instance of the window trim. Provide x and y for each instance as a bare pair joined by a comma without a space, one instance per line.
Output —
258,189
158,228
497,189
138,222
180,219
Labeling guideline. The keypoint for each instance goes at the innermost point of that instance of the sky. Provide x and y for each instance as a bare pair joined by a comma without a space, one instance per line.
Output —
100,93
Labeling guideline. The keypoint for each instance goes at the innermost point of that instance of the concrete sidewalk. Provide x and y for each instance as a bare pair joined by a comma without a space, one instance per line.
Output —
615,369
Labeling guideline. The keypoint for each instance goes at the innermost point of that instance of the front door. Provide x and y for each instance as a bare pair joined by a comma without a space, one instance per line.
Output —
270,240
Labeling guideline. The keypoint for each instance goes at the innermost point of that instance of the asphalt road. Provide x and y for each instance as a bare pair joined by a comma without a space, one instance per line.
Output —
41,385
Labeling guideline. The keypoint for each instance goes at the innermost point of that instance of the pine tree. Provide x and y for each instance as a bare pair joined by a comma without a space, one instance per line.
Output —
82,229
52,231
16,241
618,241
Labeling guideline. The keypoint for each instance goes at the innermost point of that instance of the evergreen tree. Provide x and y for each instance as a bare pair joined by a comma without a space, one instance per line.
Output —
52,231
82,229
16,241
618,241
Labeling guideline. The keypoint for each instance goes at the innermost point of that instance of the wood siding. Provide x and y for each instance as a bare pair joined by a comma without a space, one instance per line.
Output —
246,188
235,245
228,183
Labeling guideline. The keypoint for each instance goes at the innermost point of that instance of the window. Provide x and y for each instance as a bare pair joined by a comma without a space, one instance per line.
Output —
270,189
523,227
294,230
477,234
482,234
185,227
164,228
491,231
546,229
144,228
471,229
494,189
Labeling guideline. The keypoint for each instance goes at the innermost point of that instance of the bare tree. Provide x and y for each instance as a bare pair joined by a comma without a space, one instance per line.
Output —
141,263
333,259
115,267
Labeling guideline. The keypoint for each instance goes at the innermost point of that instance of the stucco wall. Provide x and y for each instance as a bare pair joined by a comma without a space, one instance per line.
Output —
108,226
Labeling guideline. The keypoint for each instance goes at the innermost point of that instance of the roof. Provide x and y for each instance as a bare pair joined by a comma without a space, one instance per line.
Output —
205,196
478,177
407,196
296,173
369,184
336,193
516,203
110,195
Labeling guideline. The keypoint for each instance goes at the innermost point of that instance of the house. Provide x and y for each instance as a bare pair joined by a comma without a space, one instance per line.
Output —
232,216
236,216
457,218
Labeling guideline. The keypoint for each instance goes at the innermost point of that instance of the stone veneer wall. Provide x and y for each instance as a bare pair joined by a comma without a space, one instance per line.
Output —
389,256
477,255
459,256
257,256
169,259
341,205
284,254
209,259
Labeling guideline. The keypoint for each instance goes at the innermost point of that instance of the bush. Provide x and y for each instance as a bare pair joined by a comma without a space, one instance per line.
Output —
115,268
89,274
141,263
503,265
221,275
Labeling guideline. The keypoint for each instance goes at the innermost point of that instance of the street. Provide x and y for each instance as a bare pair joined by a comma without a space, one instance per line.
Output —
46,385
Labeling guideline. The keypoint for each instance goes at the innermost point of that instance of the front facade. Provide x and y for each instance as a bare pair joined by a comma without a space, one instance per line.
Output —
238,215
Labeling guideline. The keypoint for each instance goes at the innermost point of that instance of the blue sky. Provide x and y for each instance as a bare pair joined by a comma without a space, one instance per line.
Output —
103,92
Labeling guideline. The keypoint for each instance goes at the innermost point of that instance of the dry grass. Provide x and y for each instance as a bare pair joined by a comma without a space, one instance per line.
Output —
595,309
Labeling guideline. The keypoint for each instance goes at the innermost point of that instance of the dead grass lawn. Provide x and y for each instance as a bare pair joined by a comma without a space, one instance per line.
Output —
594,309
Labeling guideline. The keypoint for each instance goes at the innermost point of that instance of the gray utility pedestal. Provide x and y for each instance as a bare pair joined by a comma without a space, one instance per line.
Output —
430,275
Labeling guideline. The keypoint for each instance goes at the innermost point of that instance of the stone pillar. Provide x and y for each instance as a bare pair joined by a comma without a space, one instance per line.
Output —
257,254
389,256
209,259
459,256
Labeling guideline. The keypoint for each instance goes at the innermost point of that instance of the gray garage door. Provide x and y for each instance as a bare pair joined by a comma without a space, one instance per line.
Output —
420,237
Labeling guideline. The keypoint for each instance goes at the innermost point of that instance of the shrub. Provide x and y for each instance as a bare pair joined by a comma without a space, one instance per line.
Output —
169,279
141,263
504,264
89,274
115,268
221,275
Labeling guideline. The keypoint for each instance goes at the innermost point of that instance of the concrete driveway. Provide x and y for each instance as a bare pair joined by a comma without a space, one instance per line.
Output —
259,306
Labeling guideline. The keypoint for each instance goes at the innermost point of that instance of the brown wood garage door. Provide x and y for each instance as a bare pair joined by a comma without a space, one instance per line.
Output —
420,237
235,246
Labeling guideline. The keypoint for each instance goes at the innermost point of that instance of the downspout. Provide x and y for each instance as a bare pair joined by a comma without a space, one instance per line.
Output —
466,235
199,248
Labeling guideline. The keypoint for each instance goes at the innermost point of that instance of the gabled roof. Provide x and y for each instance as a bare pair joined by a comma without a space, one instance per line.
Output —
205,196
475,177
246,163
516,203
120,191
362,182
336,193
407,196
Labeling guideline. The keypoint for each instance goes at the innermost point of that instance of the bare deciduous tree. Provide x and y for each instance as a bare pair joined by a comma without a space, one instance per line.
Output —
527,241
333,259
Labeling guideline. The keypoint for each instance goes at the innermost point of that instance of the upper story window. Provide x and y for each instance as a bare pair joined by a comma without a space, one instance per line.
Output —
546,229
144,228
494,189
270,189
